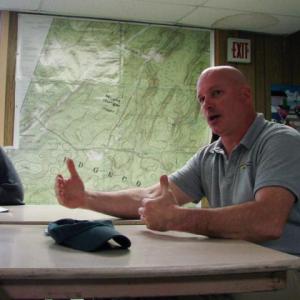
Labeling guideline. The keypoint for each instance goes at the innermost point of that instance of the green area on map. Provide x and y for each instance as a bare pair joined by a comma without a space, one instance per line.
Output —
117,98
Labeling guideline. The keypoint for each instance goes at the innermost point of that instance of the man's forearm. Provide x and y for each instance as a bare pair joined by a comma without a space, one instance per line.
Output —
213,222
248,221
122,204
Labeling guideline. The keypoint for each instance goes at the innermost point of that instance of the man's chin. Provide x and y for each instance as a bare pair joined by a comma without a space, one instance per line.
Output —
215,131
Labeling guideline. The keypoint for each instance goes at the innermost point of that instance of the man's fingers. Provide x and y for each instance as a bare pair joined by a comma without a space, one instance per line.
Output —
59,179
141,211
59,184
72,168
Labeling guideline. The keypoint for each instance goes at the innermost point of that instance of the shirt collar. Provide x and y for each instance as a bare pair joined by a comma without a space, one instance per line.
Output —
217,147
254,131
248,139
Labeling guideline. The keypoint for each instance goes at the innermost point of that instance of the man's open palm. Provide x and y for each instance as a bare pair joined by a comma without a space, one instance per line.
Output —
70,192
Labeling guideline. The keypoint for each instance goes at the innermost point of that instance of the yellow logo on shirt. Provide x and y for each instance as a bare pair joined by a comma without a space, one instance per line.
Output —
244,165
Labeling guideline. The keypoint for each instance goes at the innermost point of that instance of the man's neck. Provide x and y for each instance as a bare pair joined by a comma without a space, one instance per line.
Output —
229,144
231,141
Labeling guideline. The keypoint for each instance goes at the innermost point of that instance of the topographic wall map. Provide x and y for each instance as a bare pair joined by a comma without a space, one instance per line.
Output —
118,98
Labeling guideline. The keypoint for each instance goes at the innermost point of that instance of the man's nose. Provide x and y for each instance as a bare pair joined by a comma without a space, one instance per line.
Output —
207,103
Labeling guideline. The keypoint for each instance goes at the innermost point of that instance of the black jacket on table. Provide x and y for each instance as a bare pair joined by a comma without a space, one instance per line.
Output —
11,189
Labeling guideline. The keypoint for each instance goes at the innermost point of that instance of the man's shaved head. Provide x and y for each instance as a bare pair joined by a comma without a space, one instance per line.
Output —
229,72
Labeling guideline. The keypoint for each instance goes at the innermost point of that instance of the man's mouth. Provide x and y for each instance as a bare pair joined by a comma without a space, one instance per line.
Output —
213,118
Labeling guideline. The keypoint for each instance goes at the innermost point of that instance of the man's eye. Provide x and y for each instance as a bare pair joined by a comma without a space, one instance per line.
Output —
216,93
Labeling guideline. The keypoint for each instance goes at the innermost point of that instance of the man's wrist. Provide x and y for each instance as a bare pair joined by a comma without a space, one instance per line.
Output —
175,217
189,220
87,200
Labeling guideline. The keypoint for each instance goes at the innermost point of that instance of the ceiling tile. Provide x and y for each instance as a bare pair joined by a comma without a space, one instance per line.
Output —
135,10
280,7
286,25
246,21
179,2
19,5
269,16
205,17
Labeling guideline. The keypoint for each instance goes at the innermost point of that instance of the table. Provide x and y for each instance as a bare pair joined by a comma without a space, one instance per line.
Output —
43,214
32,266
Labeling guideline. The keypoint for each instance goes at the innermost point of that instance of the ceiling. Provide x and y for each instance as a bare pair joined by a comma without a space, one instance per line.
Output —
264,16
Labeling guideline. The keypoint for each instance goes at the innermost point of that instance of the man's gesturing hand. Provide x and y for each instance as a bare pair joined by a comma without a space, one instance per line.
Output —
70,192
157,212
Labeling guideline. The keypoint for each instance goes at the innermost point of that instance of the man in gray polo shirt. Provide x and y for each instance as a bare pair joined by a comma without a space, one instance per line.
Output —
251,173
250,176
267,156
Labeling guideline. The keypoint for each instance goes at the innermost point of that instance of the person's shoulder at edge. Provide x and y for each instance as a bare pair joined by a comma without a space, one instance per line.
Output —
12,190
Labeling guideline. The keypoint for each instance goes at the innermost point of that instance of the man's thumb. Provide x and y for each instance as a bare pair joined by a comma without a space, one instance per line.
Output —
165,188
72,168
164,183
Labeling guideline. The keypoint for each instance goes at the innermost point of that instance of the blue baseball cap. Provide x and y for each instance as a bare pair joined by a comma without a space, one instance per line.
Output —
86,235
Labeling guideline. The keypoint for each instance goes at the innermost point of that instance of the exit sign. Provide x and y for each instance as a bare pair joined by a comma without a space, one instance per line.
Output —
239,50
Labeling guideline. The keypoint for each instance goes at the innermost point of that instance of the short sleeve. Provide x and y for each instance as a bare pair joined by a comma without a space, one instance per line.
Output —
279,162
188,178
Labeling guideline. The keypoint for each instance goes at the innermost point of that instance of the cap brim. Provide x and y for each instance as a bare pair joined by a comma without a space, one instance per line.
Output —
86,235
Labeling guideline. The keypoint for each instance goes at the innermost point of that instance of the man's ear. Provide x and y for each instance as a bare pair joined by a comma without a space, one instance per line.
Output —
246,93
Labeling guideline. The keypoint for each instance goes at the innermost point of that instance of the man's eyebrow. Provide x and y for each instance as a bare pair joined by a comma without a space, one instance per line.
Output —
211,88
214,87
